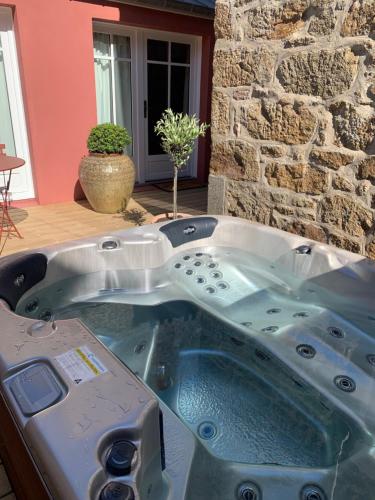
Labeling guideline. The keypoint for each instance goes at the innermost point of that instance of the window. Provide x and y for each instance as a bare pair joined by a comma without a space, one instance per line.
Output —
168,84
112,56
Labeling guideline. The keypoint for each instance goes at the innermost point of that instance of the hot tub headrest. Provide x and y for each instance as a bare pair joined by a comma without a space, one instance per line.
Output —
185,230
17,275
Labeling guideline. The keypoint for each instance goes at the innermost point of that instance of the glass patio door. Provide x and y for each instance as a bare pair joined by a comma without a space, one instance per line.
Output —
168,81
138,74
12,118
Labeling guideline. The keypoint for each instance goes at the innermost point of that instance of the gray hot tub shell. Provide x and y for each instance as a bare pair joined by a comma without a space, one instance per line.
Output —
69,439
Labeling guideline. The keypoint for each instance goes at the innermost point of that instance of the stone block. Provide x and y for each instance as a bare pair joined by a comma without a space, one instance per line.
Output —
346,214
301,213
219,112
370,249
354,126
324,73
274,151
247,201
279,121
330,158
241,67
341,241
342,183
360,19
216,195
305,229
285,210
363,188
323,21
371,91
366,169
235,159
277,196
300,178
223,21
274,21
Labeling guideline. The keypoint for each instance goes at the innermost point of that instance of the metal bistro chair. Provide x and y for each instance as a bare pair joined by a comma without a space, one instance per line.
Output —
7,165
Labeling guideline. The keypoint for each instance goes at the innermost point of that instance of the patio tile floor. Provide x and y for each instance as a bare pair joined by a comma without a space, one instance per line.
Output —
56,223
50,224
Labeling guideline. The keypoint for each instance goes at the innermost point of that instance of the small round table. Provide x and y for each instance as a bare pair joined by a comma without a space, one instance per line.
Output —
7,165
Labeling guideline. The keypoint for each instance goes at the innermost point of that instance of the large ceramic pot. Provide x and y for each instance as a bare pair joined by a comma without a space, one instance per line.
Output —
107,181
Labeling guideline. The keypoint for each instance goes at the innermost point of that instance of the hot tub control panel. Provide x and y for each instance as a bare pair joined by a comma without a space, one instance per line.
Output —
103,430
35,388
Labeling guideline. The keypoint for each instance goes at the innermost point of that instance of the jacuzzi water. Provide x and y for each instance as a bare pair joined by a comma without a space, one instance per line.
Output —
256,361
217,381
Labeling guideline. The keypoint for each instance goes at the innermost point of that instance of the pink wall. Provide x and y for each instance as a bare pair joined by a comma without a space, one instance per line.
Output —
54,40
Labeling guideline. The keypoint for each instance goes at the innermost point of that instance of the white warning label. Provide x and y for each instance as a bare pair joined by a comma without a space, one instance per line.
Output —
81,364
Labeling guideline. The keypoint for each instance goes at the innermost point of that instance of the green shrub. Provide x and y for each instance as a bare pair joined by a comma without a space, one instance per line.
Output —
108,138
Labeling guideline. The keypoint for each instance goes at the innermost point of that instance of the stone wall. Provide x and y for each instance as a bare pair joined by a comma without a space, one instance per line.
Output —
293,117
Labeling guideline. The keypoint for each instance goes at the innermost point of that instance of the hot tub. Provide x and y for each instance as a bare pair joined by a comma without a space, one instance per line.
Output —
206,358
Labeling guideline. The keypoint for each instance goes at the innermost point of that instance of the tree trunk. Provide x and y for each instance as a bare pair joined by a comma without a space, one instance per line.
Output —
175,193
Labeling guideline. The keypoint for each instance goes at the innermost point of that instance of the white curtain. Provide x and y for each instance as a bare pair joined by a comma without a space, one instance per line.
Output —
103,90
123,97
6,129
121,102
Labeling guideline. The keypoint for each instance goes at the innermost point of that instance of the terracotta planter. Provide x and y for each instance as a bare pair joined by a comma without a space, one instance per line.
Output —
168,217
107,181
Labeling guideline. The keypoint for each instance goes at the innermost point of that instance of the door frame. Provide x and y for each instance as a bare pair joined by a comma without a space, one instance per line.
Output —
194,87
17,111
138,37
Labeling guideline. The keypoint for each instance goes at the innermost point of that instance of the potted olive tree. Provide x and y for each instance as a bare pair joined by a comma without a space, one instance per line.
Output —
107,175
178,132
